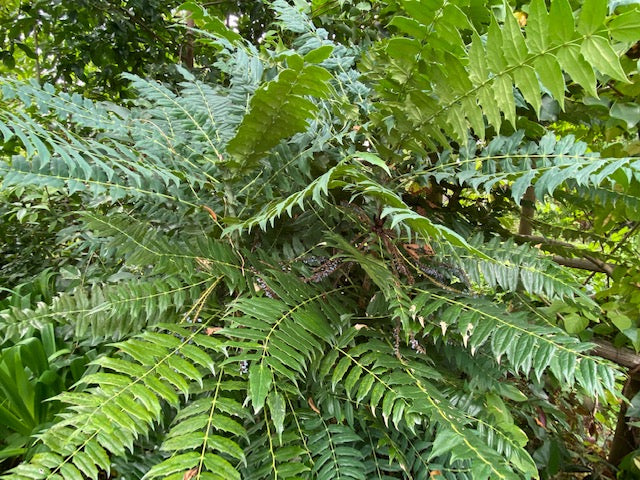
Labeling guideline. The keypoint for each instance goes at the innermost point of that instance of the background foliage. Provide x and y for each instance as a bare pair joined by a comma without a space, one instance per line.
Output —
341,240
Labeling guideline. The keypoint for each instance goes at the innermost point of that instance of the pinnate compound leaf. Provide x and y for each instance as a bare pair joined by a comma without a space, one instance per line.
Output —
278,110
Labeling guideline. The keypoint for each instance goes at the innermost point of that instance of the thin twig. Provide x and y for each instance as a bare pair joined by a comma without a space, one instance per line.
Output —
617,247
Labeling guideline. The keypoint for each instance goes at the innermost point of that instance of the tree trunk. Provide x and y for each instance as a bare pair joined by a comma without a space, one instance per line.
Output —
186,54
624,441
624,438
528,205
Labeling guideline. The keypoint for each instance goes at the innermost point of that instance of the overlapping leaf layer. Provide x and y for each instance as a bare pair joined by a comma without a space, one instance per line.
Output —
288,310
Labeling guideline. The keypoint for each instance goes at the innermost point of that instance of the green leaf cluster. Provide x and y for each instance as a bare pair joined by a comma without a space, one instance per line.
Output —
300,269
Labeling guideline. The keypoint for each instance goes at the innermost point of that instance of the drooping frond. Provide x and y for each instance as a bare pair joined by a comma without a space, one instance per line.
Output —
280,108
145,246
520,267
106,312
354,179
127,395
528,344
176,277
406,393
439,85
547,165
291,326
55,155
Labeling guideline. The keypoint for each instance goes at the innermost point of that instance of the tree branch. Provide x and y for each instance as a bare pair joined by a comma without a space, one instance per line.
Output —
618,245
587,263
543,240
624,357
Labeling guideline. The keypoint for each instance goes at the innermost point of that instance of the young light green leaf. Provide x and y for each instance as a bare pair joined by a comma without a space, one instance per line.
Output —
598,51
537,26
561,23
373,160
592,16
581,72
527,82
551,76
625,27
318,55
